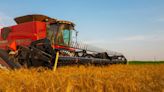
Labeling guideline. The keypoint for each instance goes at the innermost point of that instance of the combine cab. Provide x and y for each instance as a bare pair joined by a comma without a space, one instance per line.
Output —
36,39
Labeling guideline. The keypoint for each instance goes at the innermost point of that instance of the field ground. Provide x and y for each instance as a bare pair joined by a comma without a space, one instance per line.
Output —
112,78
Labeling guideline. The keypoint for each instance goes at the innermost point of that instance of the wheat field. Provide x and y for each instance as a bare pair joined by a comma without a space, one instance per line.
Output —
112,78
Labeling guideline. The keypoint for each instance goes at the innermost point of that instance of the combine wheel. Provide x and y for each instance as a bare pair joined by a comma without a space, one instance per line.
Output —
89,56
6,62
124,60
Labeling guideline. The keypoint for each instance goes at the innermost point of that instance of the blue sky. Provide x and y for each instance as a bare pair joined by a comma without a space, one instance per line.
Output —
133,27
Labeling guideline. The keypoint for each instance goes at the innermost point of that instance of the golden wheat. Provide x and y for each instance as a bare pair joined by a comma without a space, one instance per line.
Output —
113,78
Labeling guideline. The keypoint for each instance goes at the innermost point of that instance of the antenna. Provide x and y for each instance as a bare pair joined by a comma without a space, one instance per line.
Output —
76,34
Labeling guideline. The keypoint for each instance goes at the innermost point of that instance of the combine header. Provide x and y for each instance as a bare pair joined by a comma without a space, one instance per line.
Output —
36,39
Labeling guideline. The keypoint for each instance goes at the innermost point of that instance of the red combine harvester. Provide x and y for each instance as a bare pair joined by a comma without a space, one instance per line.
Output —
36,39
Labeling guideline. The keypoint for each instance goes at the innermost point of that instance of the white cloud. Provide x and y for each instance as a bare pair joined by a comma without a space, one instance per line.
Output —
148,38
159,37
5,20
161,19
135,38
94,41
138,47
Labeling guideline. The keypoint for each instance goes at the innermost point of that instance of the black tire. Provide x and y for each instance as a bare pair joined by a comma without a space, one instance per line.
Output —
89,56
4,55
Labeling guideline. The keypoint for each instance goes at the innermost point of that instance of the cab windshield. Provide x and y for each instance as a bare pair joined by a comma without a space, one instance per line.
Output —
64,35
60,34
67,36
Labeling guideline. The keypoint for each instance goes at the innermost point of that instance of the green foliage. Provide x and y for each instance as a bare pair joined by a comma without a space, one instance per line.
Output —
145,62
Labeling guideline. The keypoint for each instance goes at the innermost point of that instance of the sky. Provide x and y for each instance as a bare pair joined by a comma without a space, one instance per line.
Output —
132,27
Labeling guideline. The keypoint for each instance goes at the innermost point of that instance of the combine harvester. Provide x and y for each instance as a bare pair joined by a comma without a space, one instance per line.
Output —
38,40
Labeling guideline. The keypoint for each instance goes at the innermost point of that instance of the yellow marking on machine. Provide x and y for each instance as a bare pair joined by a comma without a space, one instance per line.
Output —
56,61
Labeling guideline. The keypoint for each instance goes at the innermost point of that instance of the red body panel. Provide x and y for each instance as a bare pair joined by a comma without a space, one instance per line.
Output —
32,30
64,47
25,33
